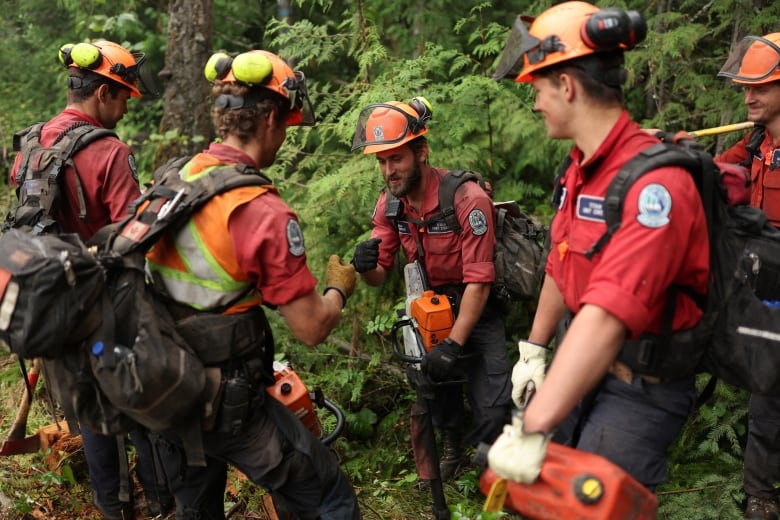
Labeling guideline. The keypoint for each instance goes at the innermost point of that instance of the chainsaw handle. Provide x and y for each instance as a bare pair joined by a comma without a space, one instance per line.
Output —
340,421
399,353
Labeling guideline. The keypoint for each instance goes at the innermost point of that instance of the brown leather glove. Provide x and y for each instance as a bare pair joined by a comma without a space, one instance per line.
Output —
341,277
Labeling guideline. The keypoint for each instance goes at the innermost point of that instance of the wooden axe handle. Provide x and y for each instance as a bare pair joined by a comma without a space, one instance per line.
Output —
19,427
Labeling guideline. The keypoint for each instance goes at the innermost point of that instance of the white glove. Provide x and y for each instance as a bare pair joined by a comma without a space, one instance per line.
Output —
528,369
517,455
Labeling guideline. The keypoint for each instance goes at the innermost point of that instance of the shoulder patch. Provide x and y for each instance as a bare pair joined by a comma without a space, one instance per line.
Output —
478,222
295,238
655,204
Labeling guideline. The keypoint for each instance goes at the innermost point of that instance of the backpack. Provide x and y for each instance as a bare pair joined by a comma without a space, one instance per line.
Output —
38,176
518,254
132,366
738,337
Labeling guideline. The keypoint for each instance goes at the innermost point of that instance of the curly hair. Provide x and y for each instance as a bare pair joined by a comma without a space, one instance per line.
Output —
242,122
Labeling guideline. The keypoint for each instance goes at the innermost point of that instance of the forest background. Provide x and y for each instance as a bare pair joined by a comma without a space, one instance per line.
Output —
356,52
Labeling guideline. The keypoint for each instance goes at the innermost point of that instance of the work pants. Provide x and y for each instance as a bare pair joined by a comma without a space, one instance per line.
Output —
631,425
489,386
105,469
762,452
275,451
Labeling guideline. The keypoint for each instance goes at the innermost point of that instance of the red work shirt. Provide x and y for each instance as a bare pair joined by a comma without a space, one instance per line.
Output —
267,240
662,239
107,173
765,183
449,258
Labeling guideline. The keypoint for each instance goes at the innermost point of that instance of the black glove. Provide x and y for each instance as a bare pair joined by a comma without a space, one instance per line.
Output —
439,362
366,255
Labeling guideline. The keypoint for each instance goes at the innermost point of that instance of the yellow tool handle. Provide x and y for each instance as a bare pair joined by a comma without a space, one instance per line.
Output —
494,502
722,129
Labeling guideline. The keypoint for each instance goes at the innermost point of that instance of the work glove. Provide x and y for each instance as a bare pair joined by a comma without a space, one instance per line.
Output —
439,362
517,455
340,277
366,255
528,373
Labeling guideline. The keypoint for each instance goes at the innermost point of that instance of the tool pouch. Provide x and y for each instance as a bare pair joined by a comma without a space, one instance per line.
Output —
237,396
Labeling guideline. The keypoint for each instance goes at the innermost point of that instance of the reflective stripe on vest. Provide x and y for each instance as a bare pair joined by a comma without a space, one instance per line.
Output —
197,266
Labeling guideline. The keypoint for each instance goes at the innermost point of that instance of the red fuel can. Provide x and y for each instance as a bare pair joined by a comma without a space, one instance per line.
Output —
577,484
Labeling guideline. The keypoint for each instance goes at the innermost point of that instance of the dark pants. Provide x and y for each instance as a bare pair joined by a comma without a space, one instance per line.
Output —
106,467
632,425
275,451
762,452
489,384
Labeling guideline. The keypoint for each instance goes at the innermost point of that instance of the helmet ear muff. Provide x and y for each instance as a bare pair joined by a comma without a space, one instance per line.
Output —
612,29
218,66
424,114
84,55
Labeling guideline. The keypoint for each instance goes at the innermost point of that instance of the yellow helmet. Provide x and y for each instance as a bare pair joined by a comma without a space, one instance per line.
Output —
107,59
384,126
565,32
258,68
754,61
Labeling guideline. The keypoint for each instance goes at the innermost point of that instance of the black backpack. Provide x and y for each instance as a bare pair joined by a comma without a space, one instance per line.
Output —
518,255
128,363
738,337
38,177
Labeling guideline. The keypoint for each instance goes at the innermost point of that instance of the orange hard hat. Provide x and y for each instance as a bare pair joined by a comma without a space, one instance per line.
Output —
259,68
754,61
384,126
107,59
565,32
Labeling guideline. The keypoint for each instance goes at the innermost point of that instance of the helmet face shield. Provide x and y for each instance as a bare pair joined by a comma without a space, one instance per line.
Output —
383,126
144,80
302,111
754,60
519,44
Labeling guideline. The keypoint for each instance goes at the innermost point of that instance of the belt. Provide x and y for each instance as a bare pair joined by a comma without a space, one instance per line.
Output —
623,372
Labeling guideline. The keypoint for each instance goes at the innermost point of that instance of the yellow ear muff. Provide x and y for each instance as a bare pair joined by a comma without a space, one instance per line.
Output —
64,54
85,55
218,66
252,68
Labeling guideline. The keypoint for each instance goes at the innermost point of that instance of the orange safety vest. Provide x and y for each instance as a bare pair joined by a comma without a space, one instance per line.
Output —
197,265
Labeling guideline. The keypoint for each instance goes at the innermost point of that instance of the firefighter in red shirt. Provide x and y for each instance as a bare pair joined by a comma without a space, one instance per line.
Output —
459,265
572,55
245,249
755,65
102,77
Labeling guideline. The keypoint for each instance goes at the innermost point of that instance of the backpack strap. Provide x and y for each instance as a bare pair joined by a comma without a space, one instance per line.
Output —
449,185
58,157
657,156
754,144
558,183
171,201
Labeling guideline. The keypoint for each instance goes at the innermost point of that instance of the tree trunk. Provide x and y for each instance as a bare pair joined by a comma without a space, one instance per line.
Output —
186,96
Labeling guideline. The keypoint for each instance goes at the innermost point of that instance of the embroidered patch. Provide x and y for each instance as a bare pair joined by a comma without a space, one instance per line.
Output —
655,204
478,222
403,227
590,208
438,228
133,168
295,238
